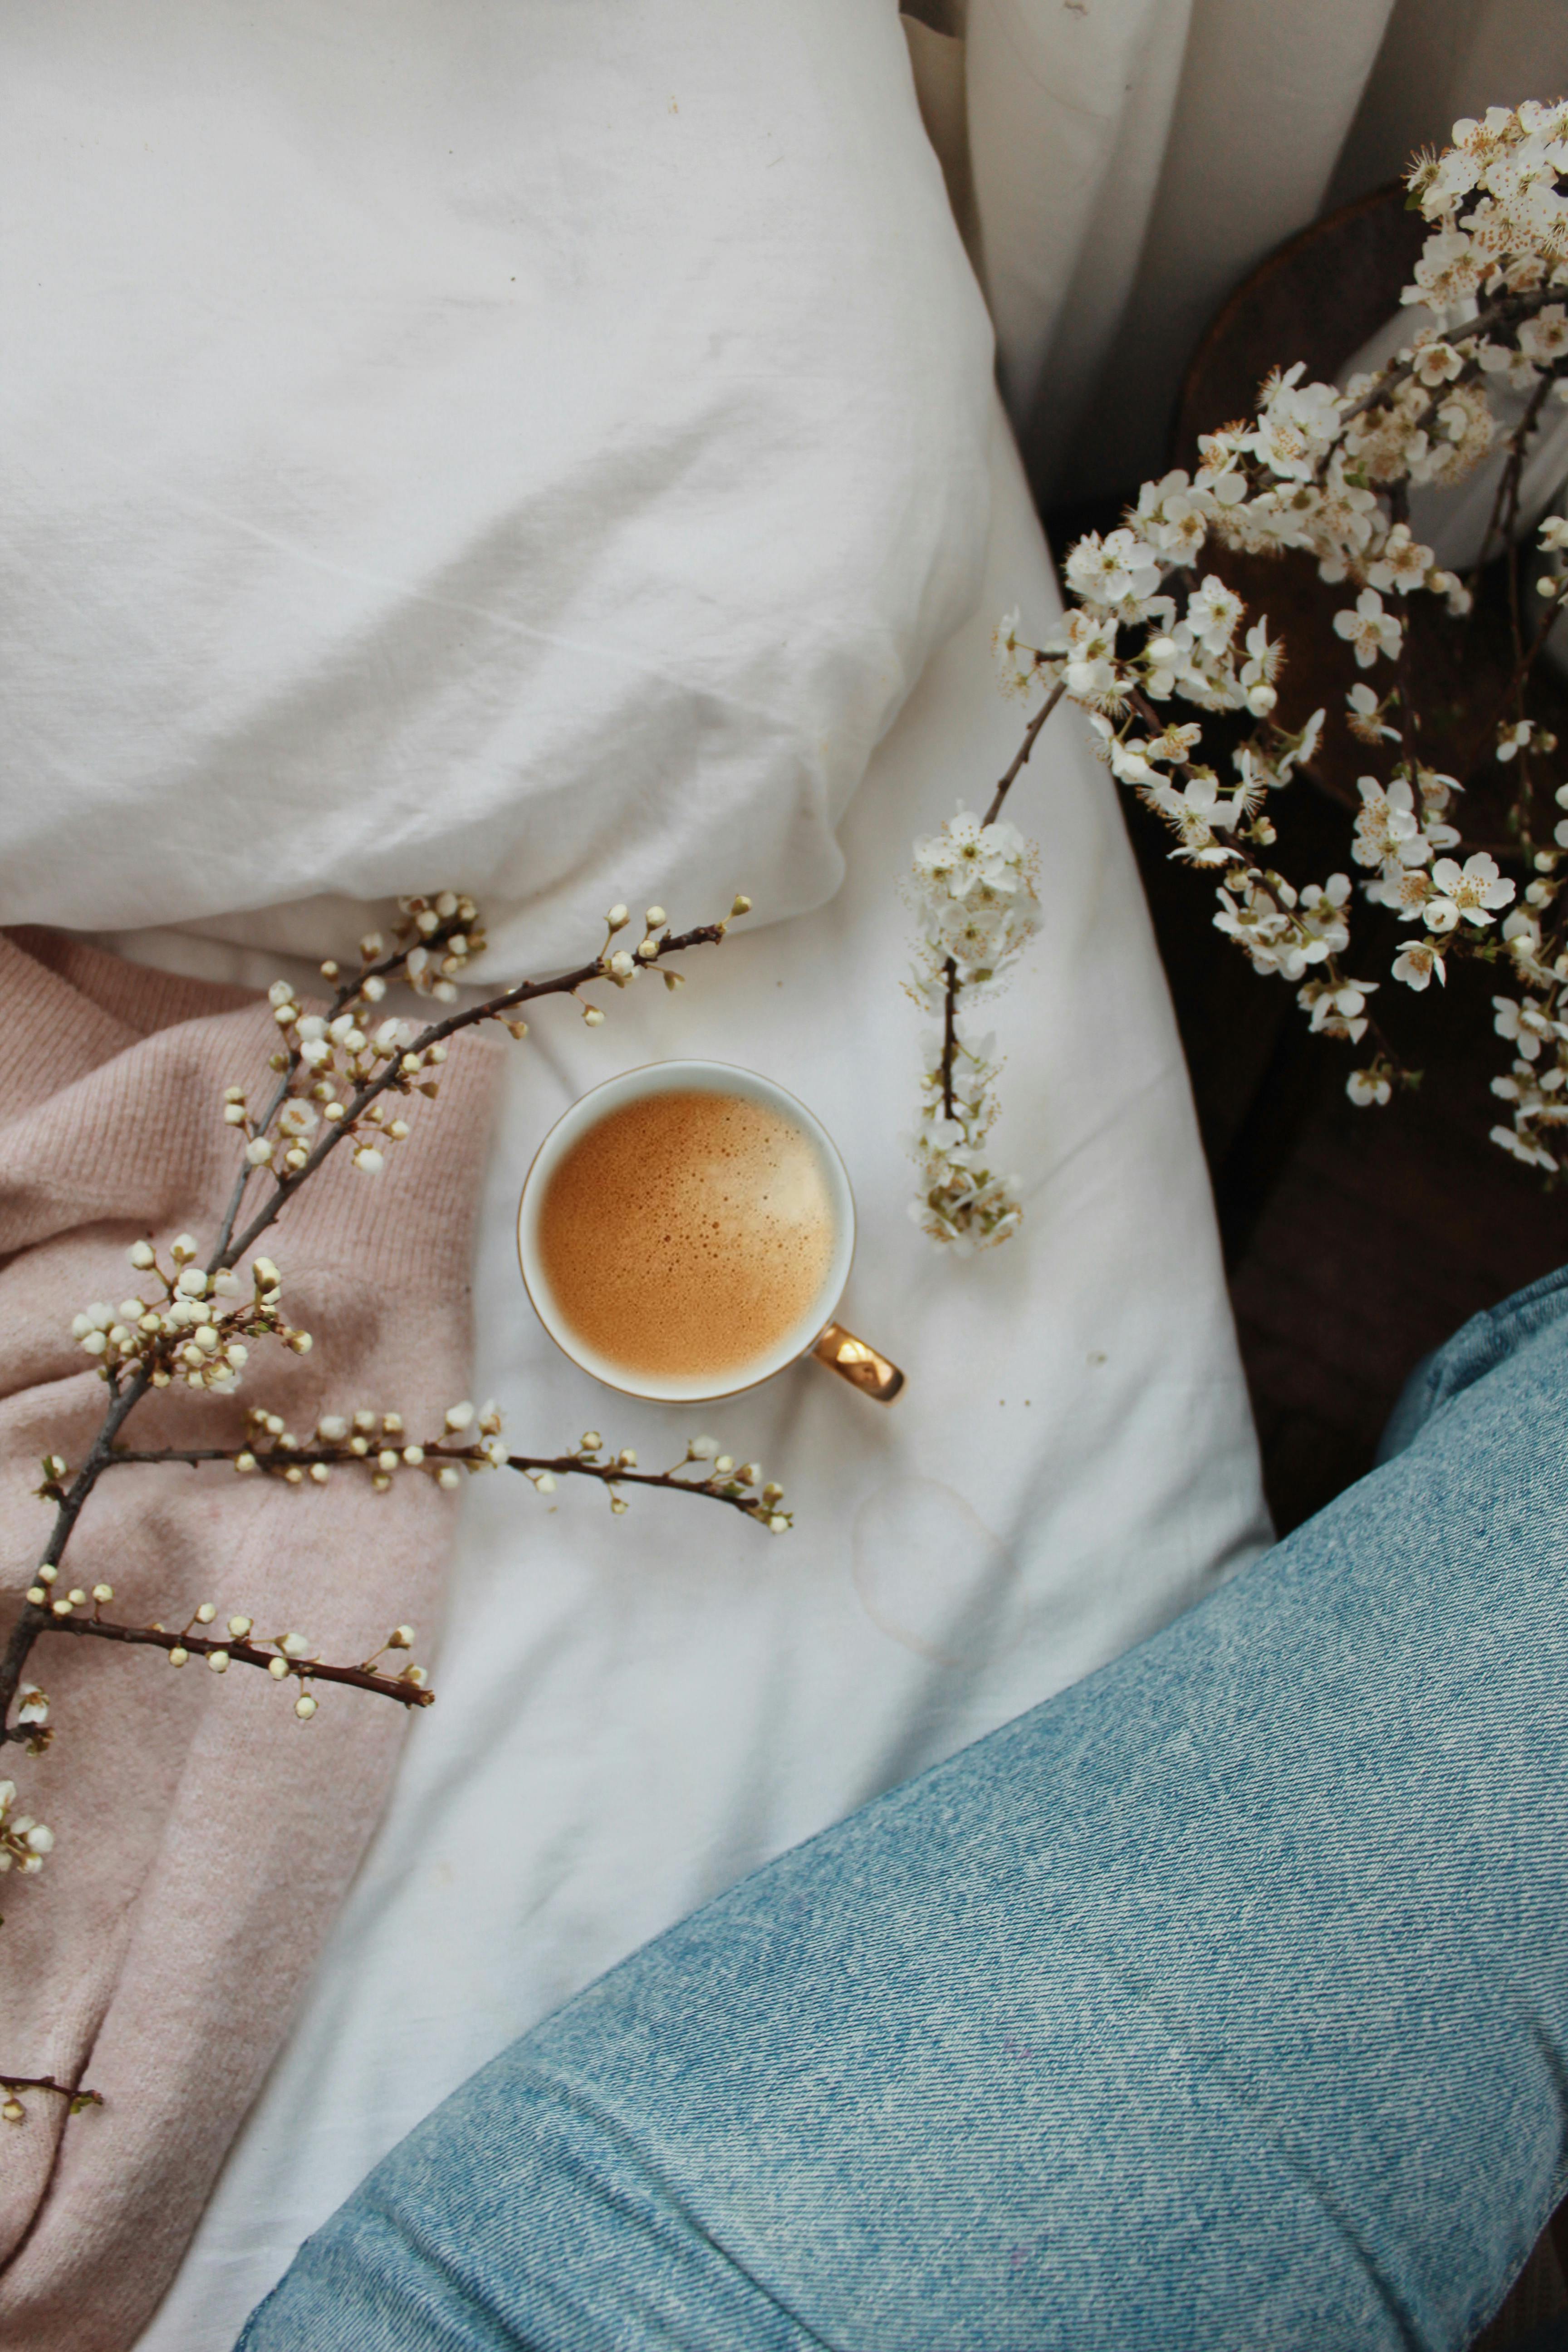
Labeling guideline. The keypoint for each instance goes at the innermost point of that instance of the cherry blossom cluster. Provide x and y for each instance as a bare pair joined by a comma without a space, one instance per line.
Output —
978,909
961,1200
185,1325
1326,472
1534,1024
621,966
25,1843
336,1058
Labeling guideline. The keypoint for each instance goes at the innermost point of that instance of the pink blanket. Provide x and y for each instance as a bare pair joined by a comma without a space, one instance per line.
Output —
204,1834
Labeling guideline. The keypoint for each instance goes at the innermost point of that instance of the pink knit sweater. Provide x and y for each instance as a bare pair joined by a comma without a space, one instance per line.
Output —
205,1836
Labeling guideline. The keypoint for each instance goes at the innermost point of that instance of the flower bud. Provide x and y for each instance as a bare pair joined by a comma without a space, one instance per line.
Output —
304,1706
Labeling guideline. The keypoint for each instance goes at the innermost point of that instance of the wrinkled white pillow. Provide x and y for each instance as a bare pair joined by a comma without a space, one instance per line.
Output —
531,444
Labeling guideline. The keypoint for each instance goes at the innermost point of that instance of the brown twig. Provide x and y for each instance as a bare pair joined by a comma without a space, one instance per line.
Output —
949,1031
243,1653
79,2098
1031,736
951,983
276,1463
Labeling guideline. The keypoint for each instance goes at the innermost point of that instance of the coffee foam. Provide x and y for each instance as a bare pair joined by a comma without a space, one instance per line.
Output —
688,1232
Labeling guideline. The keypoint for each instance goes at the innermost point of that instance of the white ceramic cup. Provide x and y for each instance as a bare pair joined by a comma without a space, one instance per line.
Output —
815,1333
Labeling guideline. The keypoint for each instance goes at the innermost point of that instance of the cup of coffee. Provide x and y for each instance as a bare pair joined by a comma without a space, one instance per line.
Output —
685,1231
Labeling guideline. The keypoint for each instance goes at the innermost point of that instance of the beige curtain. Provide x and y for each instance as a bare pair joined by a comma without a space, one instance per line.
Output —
1117,165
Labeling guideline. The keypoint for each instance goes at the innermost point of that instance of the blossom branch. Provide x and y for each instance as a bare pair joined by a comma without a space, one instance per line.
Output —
447,1461
222,1650
78,2100
1031,737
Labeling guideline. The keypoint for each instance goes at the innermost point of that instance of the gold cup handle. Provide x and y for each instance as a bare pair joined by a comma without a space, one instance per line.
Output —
858,1364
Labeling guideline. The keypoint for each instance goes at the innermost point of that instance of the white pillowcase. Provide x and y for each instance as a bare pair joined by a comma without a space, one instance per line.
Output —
525,445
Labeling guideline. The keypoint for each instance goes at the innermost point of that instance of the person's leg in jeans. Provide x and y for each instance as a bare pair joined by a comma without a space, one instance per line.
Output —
1222,2001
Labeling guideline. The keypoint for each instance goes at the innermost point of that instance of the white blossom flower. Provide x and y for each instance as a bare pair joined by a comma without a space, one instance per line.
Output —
1387,829
1172,519
1212,612
1472,891
1015,664
1369,630
1366,1087
1090,670
1323,917
1435,362
1403,563
1118,572
1511,740
1524,1147
1295,423
298,1116
1417,964
1545,337
966,855
1526,1026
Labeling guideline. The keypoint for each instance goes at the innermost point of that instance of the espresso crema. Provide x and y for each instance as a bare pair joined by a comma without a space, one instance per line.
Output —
688,1234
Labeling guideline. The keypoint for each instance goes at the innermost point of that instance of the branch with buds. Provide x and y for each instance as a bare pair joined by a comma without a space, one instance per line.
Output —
340,1079
1325,473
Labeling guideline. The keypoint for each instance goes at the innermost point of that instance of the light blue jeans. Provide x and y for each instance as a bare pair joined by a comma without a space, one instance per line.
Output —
1220,2003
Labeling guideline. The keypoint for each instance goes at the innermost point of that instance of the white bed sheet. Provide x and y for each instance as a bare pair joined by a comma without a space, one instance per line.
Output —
634,1712
464,435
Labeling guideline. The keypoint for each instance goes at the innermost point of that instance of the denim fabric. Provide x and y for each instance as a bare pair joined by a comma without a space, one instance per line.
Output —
1220,2003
